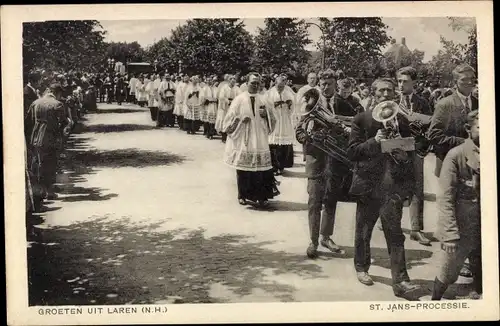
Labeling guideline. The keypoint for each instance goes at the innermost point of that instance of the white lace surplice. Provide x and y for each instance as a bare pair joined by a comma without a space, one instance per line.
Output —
179,98
283,133
247,148
192,104
225,93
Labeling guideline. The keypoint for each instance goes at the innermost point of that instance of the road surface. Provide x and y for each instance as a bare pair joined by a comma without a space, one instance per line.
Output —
148,215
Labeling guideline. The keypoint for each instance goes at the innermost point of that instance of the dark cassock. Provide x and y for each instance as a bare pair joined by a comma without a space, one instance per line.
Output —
248,123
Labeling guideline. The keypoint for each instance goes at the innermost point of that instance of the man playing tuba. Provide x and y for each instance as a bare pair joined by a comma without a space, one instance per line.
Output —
325,174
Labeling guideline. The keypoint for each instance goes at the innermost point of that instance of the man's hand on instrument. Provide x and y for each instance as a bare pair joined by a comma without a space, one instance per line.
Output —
318,136
262,112
381,134
449,247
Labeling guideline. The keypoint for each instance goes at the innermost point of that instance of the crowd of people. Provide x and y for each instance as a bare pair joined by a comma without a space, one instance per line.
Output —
260,118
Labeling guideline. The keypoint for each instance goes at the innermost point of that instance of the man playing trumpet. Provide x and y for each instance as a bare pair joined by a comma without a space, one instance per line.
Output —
381,183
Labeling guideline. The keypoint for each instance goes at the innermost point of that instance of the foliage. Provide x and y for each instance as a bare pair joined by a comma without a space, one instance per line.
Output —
205,46
280,46
125,52
354,44
62,45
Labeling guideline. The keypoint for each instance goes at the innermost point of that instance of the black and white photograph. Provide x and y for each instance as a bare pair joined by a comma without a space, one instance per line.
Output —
224,160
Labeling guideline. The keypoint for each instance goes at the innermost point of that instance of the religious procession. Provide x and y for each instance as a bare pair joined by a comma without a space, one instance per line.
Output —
358,141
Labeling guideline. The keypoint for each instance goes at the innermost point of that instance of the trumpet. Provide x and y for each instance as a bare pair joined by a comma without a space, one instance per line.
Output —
386,113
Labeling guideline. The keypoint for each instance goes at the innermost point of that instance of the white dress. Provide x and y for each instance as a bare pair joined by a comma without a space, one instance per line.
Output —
282,104
247,147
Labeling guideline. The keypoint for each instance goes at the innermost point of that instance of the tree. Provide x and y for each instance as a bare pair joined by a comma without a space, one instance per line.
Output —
354,44
279,47
206,46
62,45
469,50
125,52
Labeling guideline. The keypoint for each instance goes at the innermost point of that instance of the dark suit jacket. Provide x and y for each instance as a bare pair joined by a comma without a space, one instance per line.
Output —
349,106
375,174
447,130
458,199
420,104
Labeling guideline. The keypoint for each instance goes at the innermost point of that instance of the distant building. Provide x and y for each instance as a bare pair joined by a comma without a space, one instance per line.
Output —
397,53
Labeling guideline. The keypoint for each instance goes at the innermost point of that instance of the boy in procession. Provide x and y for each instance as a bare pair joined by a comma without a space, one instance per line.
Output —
459,223
166,92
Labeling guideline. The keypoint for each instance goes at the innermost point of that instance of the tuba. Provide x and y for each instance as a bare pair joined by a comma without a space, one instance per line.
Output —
333,138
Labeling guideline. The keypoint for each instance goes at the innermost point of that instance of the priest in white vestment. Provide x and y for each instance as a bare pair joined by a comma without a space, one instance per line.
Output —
151,90
227,93
132,84
300,103
141,94
282,102
192,105
179,101
248,123
209,100
203,108
166,91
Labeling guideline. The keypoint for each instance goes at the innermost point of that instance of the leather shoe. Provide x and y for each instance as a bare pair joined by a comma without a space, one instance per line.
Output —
329,244
364,278
312,251
474,296
465,271
403,288
242,201
420,237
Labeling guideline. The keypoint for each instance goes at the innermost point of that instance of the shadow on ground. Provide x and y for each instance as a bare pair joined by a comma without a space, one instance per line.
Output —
105,128
105,261
119,110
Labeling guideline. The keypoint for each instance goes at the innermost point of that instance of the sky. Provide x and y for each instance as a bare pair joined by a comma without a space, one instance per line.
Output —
420,33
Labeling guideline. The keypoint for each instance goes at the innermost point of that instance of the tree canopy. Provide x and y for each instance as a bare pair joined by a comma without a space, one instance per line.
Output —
205,46
354,44
279,47
62,45
125,52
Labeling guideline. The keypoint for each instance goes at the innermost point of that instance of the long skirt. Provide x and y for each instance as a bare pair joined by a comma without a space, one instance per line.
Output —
165,118
281,156
154,112
256,185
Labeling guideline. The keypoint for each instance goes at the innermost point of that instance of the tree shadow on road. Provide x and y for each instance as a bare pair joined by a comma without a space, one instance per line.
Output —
381,257
104,261
106,128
